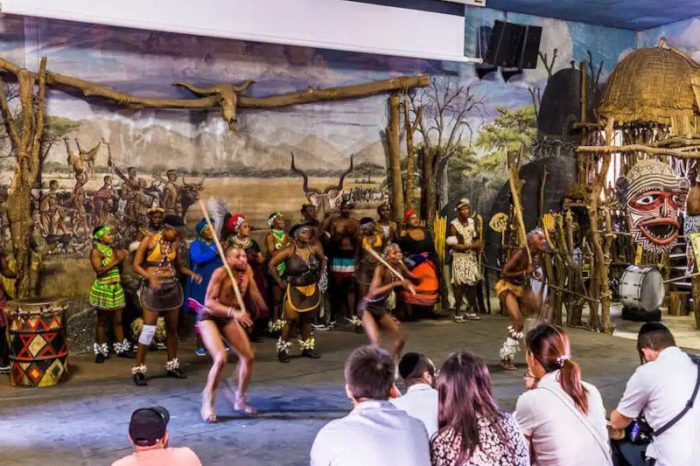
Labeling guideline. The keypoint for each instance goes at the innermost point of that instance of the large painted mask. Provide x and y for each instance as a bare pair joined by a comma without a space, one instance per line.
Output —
653,195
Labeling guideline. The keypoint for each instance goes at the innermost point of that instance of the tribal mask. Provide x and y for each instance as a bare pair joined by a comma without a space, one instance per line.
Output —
653,196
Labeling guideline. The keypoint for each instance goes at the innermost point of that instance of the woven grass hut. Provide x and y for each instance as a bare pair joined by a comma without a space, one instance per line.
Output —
654,85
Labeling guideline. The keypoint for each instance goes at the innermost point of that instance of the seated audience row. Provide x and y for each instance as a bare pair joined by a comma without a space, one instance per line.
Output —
451,418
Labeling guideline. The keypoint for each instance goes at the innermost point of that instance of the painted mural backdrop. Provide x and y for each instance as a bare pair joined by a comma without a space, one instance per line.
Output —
109,165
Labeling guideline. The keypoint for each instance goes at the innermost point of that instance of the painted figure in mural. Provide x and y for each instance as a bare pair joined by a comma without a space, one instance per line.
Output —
388,227
127,193
343,233
6,272
418,246
204,260
691,223
276,240
158,262
515,294
168,199
370,239
375,306
107,294
239,231
223,317
463,239
304,261
104,201
144,199
80,217
653,196
53,214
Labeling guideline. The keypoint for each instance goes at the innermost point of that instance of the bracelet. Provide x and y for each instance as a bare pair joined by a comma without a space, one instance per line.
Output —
230,312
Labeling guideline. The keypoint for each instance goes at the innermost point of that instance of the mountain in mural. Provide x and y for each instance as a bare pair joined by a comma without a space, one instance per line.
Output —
157,148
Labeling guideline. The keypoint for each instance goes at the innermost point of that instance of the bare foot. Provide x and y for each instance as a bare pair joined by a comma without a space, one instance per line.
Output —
208,411
508,365
241,404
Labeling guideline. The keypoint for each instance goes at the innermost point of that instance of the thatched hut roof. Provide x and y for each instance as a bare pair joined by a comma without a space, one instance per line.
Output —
653,85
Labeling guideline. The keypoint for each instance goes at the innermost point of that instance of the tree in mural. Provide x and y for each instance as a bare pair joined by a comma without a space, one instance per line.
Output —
445,129
365,170
511,131
462,166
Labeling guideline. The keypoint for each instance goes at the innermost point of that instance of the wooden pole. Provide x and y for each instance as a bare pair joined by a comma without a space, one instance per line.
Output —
393,142
692,275
234,283
696,301
514,180
410,128
609,149
584,85
601,269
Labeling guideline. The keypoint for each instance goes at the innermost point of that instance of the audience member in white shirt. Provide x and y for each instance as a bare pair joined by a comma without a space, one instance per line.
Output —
375,433
421,398
660,388
562,416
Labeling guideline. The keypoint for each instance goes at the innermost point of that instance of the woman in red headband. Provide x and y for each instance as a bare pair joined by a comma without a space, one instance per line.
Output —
238,230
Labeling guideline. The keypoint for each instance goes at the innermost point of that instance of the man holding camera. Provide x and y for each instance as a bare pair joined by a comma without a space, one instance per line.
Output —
665,390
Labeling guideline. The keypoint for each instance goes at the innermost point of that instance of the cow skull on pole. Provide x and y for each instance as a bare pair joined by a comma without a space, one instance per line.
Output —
327,199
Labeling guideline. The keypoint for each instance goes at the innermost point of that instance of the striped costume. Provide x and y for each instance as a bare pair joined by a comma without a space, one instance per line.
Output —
106,291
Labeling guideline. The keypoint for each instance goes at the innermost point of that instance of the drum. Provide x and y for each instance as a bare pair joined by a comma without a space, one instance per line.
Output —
38,345
642,288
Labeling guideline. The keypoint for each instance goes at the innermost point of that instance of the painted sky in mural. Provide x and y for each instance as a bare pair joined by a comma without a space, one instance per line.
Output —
148,62
323,136
683,34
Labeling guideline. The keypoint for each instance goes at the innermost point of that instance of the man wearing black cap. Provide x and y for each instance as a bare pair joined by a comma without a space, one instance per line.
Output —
661,388
421,398
148,433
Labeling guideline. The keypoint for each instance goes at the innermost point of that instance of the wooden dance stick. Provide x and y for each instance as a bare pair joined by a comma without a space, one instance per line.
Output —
391,269
223,256
682,278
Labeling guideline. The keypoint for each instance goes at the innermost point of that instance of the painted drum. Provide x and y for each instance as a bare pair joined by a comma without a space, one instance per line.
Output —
38,343
642,288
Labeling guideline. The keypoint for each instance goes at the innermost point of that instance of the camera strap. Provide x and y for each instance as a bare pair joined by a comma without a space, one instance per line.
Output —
688,405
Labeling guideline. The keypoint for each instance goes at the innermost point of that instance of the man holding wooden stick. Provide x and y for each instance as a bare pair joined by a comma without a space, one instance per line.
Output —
390,273
515,294
223,316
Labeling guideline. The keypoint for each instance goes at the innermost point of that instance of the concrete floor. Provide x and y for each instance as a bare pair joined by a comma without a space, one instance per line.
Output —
84,421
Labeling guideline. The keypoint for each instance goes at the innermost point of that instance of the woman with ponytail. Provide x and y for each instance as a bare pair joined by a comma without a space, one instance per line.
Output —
473,430
562,416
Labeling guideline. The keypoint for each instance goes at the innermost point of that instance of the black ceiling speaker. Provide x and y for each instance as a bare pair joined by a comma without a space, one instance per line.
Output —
513,45
482,70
